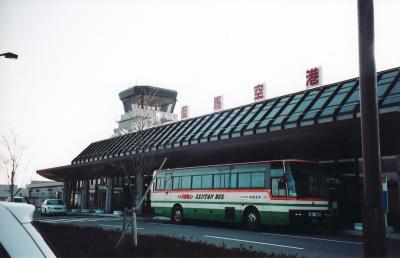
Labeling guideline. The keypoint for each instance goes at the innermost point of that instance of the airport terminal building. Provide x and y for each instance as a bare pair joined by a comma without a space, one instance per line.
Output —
319,124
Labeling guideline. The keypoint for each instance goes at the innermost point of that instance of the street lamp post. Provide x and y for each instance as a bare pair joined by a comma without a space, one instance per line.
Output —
373,219
9,55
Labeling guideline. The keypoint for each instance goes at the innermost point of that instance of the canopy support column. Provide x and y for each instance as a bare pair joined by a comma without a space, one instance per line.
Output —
84,196
109,193
66,194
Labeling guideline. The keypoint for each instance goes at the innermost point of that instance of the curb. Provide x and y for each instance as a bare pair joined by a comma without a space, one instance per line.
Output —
92,214
349,232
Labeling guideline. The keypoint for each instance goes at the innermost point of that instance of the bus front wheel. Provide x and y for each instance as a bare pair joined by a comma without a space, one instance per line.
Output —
252,219
177,215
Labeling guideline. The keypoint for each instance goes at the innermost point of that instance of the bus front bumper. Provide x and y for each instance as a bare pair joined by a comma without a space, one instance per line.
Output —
305,217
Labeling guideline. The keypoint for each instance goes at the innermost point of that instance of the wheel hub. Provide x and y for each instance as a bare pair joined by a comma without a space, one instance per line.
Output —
178,215
252,218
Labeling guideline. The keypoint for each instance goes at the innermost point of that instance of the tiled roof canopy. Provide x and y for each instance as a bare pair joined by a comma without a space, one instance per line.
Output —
325,104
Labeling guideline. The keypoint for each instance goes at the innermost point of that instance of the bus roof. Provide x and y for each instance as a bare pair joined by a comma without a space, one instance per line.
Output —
243,163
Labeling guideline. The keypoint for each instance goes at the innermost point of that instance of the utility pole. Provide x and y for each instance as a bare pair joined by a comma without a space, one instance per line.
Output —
374,231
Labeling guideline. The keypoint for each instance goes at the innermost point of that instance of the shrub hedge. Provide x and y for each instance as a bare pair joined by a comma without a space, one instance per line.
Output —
74,241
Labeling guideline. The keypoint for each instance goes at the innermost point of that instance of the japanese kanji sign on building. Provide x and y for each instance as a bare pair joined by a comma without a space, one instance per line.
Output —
258,92
313,77
184,112
218,103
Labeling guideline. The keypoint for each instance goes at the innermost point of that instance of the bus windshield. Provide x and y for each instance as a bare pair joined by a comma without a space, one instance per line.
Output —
305,180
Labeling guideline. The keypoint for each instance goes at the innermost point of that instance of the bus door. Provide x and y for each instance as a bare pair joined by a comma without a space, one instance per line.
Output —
278,180
168,185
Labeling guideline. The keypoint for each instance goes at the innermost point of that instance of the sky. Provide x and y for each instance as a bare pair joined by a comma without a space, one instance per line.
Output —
61,94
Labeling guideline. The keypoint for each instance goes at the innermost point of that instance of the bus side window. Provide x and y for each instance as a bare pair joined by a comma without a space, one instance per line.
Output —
206,181
244,180
277,171
168,181
160,183
225,181
233,180
217,181
278,186
176,182
258,179
267,176
196,182
186,182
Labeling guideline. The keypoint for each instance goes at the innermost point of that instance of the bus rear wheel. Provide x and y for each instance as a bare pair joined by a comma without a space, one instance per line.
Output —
252,219
177,215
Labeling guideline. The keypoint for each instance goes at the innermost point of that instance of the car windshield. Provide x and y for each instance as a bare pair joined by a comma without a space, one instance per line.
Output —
18,199
55,202
305,180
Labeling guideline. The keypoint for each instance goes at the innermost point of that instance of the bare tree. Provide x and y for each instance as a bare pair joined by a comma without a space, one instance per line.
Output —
146,115
140,163
11,155
136,167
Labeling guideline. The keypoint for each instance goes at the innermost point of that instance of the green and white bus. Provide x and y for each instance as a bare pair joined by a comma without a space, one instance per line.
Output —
278,192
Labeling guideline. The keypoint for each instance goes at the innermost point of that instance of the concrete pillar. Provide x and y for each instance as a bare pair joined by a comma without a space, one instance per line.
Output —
109,193
66,194
84,194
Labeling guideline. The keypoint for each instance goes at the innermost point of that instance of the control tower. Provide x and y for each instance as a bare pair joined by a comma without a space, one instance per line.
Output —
144,107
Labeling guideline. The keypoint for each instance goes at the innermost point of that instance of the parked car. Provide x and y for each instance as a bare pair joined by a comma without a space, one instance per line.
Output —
18,237
17,199
53,206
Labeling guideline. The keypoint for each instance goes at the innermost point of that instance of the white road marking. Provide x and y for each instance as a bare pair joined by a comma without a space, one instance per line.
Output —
60,219
101,219
315,238
115,226
78,220
161,218
254,242
53,221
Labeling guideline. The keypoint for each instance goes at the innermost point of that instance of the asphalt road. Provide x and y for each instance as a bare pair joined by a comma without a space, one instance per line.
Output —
267,240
